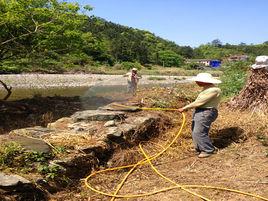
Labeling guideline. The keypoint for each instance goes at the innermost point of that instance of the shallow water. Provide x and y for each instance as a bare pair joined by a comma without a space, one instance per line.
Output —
22,93
29,85
111,92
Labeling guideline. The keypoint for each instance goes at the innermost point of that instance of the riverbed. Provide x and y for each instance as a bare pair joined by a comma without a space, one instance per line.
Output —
29,85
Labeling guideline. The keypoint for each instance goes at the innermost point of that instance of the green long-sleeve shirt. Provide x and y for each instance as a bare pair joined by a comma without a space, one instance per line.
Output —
208,98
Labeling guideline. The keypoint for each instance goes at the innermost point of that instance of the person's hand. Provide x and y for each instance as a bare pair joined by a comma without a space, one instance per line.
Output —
181,110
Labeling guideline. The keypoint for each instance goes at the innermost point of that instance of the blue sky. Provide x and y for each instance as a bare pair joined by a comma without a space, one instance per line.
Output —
190,22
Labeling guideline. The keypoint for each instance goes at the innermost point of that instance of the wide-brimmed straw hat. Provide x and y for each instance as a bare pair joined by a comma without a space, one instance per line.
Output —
260,62
206,78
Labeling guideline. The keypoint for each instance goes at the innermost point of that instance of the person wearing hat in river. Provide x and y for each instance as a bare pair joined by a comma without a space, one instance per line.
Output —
132,81
204,114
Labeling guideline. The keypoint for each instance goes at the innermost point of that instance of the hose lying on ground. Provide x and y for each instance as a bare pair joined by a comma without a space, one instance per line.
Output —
149,159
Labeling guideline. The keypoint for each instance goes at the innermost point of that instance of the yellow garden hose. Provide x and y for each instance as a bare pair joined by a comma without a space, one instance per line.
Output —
148,159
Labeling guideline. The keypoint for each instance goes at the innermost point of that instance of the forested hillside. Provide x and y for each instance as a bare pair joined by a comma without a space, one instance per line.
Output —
54,36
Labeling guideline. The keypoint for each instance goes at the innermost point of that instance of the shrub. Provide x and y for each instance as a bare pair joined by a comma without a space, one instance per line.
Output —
191,66
148,66
8,152
233,78
169,58
128,65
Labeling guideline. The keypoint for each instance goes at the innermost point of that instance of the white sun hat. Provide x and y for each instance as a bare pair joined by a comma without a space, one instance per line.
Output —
260,62
206,78
134,69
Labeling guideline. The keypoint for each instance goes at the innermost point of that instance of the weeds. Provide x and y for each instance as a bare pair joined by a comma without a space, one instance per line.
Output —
60,149
263,139
157,78
12,155
8,152
233,78
36,156
50,171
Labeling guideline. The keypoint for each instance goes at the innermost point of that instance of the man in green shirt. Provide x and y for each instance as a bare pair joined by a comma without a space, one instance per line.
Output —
205,113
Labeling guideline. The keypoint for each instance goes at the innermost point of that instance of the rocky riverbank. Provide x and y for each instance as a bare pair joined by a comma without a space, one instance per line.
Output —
79,80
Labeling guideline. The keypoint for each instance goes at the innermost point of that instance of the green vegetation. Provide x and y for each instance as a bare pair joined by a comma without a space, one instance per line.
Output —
50,171
8,152
13,156
54,36
161,103
169,58
234,77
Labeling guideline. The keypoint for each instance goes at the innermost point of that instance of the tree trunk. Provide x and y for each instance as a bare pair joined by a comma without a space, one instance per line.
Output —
8,89
254,96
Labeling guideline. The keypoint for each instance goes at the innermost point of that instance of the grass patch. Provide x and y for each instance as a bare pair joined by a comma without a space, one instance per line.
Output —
233,78
8,152
263,139
179,78
14,156
157,78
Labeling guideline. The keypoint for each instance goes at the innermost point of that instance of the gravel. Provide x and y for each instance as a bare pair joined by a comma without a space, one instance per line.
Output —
77,80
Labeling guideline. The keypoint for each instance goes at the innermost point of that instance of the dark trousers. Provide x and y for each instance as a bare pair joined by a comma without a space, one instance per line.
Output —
201,122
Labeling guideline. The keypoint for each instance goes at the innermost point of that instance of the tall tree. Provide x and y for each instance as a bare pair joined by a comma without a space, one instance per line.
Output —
41,28
216,43
169,58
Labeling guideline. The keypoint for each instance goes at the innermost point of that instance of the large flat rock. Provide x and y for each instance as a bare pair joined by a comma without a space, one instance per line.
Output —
30,144
97,115
61,124
15,187
35,132
12,180
120,107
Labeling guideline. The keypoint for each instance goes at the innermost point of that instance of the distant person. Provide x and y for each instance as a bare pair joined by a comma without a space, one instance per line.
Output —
132,81
205,113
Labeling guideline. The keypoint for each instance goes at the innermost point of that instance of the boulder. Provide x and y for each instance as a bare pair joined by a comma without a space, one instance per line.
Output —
11,181
30,144
61,124
110,123
139,128
15,187
114,131
97,115
35,132
90,127
119,107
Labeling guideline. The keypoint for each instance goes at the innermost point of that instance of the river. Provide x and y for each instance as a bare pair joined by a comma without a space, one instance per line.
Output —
29,85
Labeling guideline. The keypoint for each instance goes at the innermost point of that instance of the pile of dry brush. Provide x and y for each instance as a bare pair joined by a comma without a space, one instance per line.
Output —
254,95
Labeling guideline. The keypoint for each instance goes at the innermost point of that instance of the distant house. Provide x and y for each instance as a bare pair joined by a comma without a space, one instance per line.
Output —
238,58
205,62
215,63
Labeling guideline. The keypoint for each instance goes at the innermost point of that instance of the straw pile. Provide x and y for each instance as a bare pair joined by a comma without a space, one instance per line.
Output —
254,96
